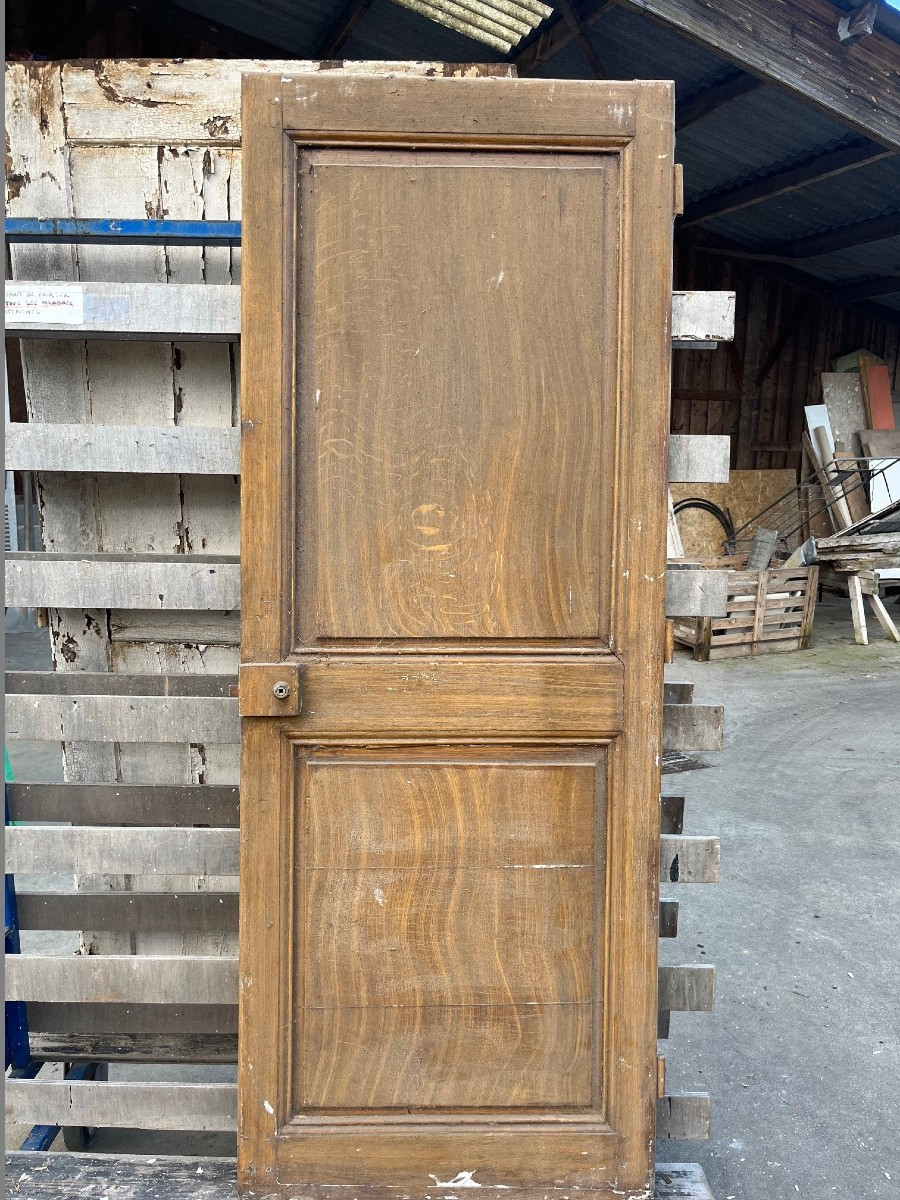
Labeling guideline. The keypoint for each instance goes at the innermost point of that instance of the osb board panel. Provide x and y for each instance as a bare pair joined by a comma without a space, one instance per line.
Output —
746,494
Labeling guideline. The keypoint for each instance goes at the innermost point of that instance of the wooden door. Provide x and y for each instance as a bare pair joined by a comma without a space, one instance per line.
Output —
455,396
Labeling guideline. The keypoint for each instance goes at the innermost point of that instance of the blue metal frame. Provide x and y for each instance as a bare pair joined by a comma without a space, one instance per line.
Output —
83,230
18,1051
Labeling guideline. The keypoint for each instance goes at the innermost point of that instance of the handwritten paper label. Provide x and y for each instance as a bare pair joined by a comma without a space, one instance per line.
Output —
44,304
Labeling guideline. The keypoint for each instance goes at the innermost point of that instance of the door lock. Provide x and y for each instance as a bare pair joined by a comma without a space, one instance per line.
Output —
281,690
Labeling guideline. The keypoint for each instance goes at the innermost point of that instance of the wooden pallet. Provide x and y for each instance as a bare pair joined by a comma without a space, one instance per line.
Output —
767,612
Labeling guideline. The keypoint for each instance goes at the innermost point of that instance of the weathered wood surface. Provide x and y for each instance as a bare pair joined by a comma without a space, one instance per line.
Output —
671,814
163,450
699,458
684,858
668,918
32,1175
766,612
140,1047
687,988
201,1107
150,912
142,720
122,979
794,44
128,311
702,317
101,683
699,592
92,1017
693,727
165,583
125,803
37,849
683,1117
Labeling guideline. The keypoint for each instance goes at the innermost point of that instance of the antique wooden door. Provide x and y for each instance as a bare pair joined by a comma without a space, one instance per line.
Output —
456,301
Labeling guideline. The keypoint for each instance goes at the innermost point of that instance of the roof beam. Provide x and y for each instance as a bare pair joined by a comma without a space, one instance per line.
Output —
875,229
779,183
794,44
866,289
581,37
790,275
555,35
714,97
350,17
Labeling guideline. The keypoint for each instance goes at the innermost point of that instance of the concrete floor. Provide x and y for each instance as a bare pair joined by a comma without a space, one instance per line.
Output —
802,1056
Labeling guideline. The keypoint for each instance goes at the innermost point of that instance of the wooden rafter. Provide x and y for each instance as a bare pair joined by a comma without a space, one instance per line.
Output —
794,44
556,34
778,268
581,37
339,33
874,229
714,97
790,179
866,289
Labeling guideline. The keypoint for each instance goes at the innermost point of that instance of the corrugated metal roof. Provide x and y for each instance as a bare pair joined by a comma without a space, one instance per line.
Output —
498,23
754,135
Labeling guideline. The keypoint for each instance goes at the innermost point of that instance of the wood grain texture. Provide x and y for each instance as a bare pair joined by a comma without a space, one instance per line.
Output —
529,1056
477,698
472,510
379,938
456,467
408,867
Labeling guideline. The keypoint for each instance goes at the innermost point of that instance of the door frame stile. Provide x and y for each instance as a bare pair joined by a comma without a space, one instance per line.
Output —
262,1096
637,628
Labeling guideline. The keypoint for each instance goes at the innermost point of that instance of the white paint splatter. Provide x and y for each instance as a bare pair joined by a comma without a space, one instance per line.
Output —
465,1179
268,1107
379,896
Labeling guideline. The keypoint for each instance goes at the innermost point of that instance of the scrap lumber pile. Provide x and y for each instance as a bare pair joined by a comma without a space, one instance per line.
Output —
853,448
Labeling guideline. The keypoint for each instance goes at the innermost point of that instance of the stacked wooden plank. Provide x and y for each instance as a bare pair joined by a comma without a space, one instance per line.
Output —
133,435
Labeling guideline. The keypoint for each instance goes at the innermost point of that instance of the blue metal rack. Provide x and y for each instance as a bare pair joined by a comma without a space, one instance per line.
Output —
92,230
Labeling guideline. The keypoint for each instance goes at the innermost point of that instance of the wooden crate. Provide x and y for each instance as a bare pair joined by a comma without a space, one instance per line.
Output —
767,612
